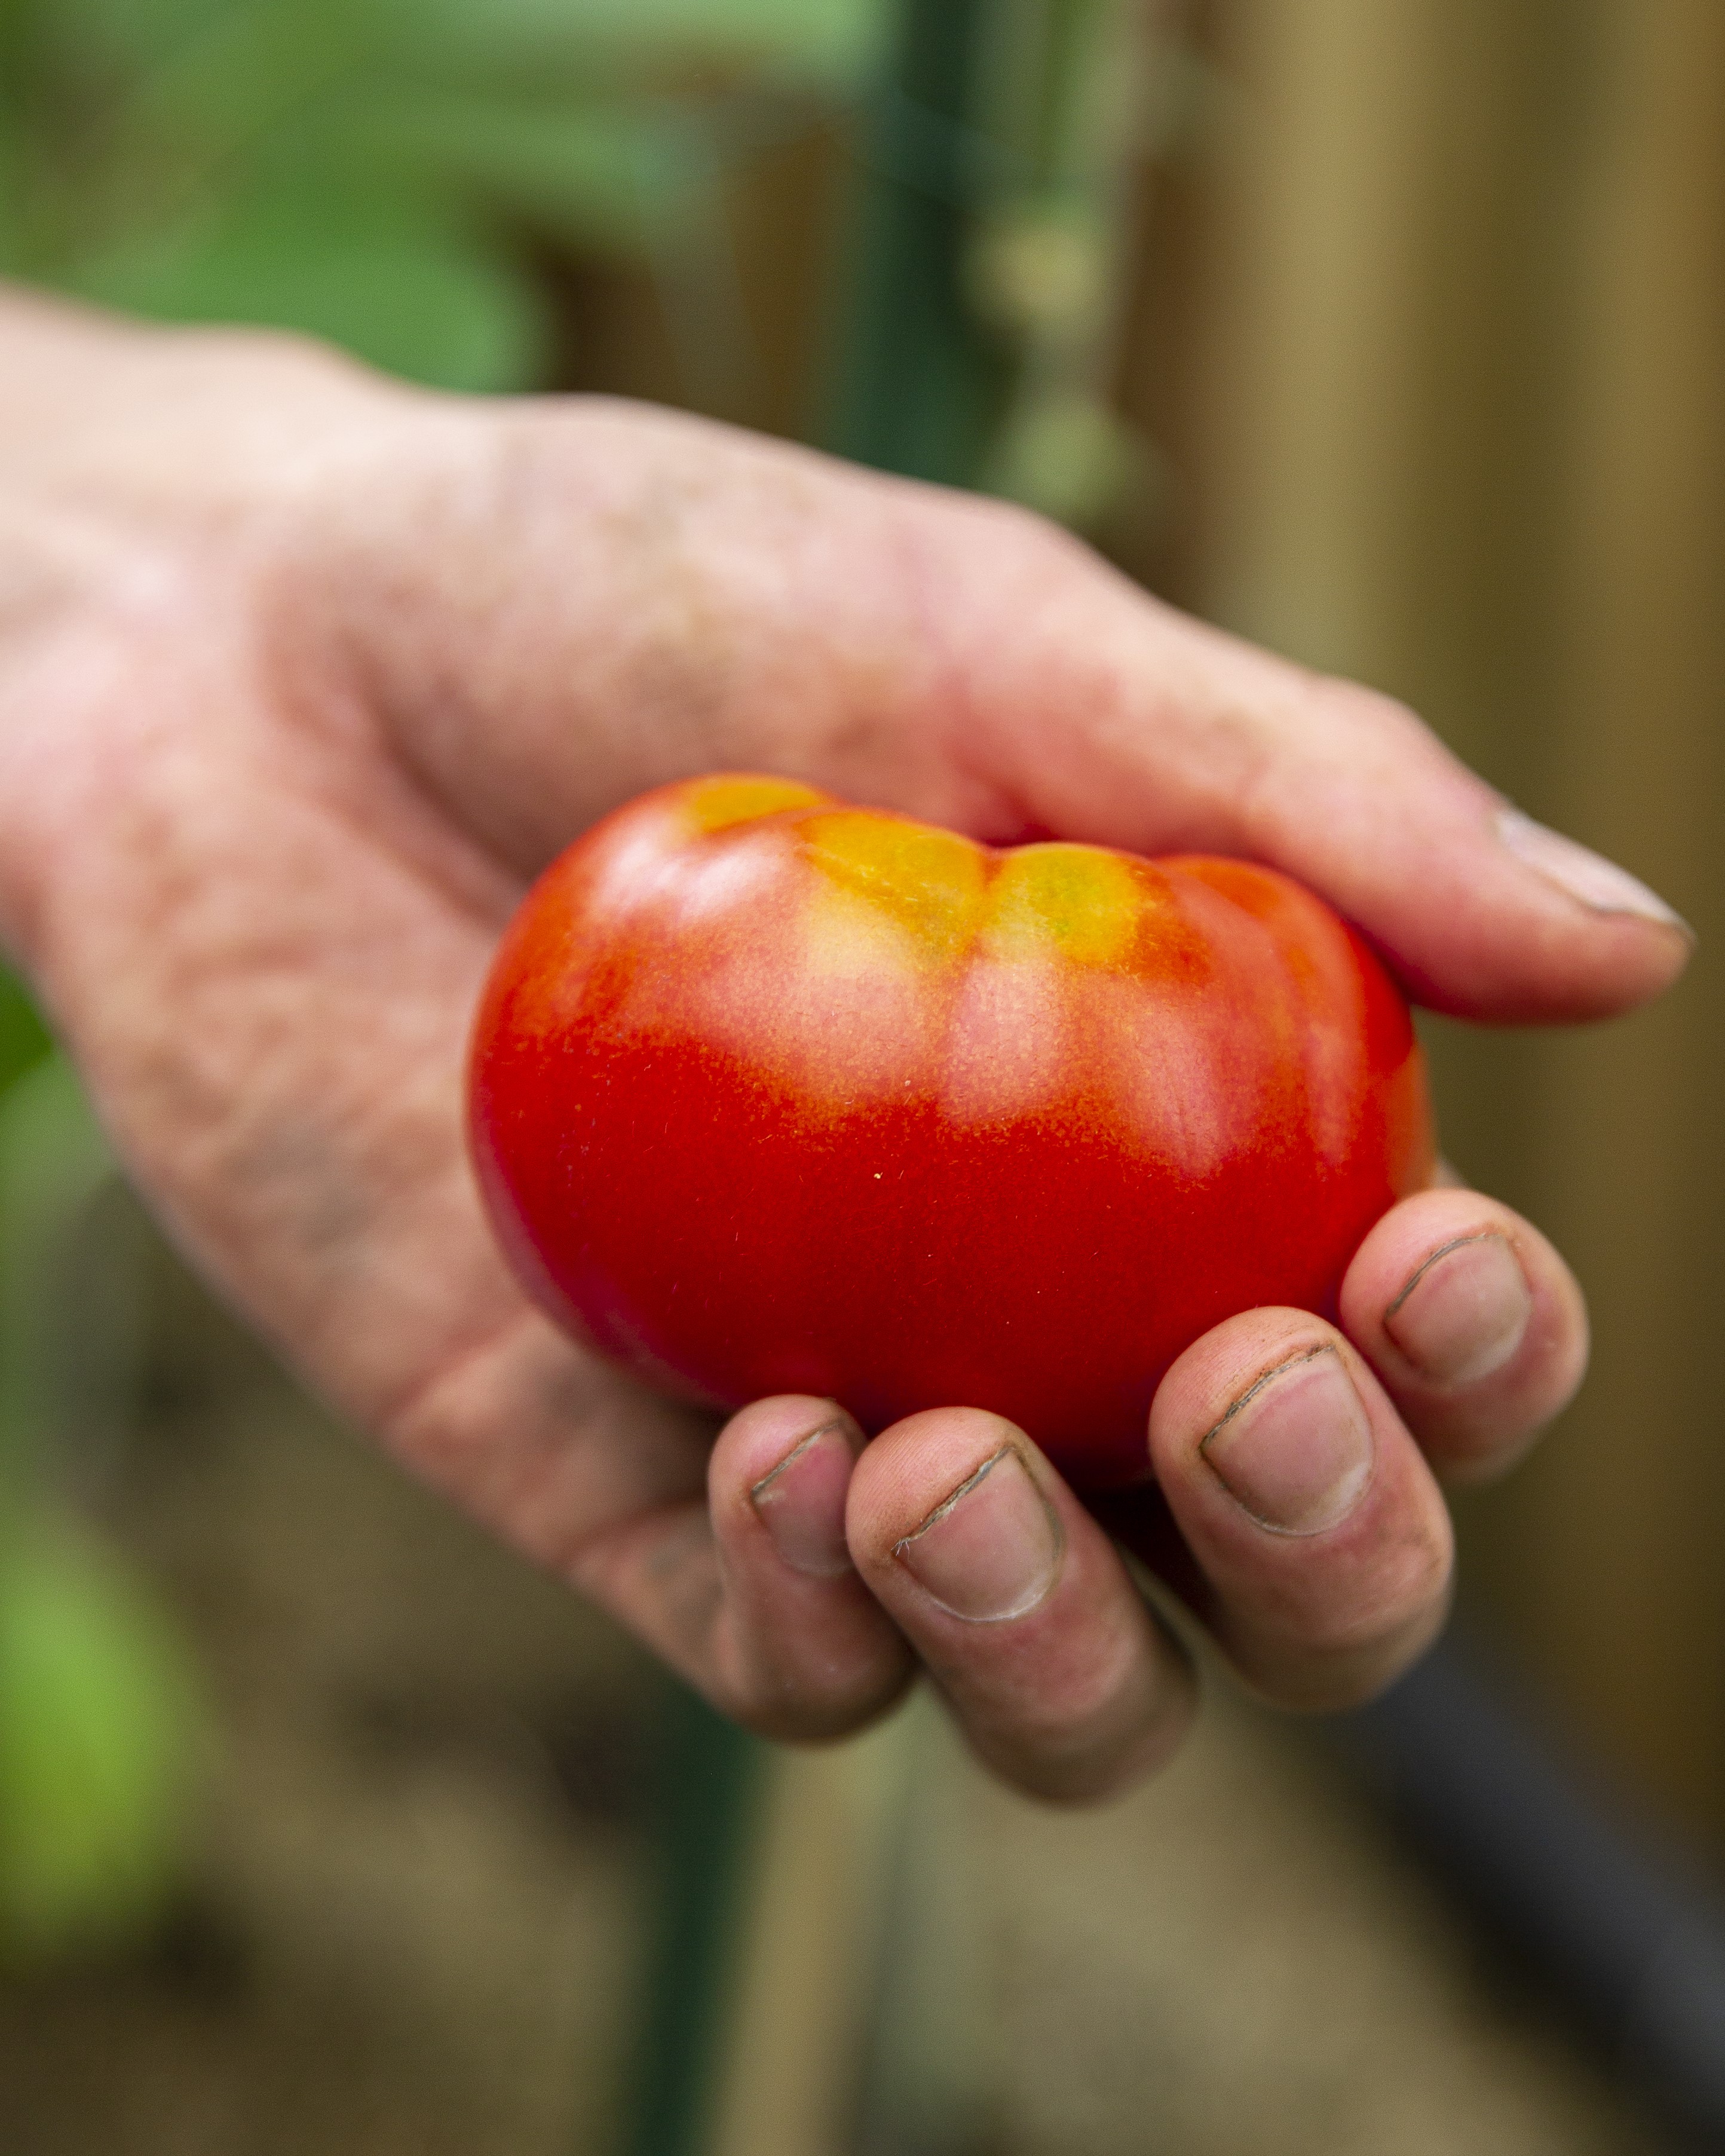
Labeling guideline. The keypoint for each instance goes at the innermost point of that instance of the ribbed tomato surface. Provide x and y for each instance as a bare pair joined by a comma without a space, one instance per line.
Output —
770,1094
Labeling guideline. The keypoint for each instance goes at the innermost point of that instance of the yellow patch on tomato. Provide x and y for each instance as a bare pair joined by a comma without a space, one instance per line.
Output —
715,805
1080,901
929,882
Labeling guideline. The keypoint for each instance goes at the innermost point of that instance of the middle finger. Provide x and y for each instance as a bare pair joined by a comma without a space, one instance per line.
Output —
1020,1607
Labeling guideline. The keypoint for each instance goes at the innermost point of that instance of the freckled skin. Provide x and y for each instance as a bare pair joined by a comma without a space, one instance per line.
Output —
772,1095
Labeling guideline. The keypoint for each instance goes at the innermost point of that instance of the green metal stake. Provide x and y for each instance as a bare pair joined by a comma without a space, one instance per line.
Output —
709,1779
925,387
920,382
917,395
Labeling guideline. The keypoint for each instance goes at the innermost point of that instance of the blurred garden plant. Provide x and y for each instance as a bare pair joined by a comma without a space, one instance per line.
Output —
379,171
393,174
99,1725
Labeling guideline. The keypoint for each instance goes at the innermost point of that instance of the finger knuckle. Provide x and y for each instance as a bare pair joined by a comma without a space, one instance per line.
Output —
1342,1631
1332,1656
1091,1729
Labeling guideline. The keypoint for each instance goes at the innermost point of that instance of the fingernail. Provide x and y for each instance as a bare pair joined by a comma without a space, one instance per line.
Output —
1296,1448
801,1503
992,1549
1577,871
1463,1312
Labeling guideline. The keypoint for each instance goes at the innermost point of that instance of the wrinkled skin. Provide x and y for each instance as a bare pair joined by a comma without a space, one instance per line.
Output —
304,675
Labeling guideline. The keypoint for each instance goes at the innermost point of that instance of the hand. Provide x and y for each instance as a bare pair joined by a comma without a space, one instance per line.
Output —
303,675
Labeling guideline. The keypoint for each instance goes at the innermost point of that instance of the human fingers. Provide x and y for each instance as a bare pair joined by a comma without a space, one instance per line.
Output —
1473,1323
1320,1547
1205,742
573,601
1056,1671
801,1648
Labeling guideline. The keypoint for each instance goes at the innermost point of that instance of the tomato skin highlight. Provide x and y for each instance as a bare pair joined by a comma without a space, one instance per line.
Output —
769,1094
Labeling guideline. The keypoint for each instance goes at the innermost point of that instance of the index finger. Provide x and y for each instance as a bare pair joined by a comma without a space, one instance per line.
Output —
1059,1674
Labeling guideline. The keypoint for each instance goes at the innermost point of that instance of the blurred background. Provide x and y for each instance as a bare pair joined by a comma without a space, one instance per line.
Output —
1389,335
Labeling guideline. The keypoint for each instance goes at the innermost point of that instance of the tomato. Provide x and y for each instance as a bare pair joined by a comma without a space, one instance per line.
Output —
770,1094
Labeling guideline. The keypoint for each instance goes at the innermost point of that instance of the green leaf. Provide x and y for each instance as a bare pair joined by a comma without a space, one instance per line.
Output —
358,168
23,1038
836,40
98,1719
604,175
392,280
133,33
100,1730
53,1161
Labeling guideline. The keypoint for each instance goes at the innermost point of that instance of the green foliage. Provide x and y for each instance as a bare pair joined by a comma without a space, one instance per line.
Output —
23,1038
98,1716
53,1162
375,171
373,274
99,1734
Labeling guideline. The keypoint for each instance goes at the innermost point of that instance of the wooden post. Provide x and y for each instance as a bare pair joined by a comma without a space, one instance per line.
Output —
1466,441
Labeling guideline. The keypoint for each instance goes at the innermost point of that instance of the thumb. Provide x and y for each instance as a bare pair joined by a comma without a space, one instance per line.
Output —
1110,717
574,600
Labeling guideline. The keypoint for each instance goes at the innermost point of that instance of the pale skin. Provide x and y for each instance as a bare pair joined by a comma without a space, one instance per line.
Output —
304,674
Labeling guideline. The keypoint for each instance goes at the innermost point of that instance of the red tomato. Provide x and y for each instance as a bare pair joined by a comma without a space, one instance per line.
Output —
772,1094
